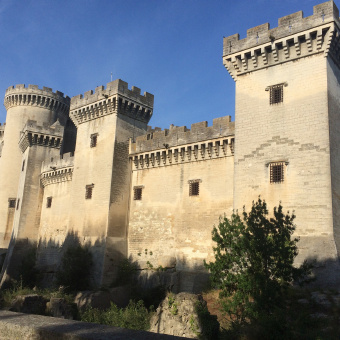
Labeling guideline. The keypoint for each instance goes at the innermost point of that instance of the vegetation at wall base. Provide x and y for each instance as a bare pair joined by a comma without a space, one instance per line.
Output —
134,316
253,267
75,270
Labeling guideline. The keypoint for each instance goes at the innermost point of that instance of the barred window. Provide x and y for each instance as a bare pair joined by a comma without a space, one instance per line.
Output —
276,94
194,187
49,202
137,193
277,172
89,191
11,202
93,137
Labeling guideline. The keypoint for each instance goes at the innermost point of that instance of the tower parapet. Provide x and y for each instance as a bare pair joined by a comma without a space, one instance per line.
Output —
33,96
295,37
116,98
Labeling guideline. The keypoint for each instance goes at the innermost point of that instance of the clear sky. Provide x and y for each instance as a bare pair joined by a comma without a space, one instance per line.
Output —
170,48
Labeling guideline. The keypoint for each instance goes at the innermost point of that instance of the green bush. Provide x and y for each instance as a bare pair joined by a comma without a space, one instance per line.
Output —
75,269
134,316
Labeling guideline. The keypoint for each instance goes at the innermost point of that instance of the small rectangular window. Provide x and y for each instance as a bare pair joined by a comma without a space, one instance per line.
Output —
11,202
18,203
194,187
49,202
276,94
277,172
137,193
89,191
93,137
23,165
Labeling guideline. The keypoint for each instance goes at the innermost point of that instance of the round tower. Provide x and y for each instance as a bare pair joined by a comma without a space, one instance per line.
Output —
23,104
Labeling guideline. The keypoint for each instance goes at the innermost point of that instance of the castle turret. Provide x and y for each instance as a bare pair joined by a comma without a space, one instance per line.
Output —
287,123
23,104
105,121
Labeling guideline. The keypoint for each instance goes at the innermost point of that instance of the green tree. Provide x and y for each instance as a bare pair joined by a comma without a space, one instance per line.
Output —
253,266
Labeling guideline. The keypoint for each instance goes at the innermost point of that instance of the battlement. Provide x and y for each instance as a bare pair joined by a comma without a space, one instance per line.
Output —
46,135
295,37
33,96
57,170
116,98
287,25
157,139
115,87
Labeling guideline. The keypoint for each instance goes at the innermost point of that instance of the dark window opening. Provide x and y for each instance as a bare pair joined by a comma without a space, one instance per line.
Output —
89,191
137,193
18,203
49,202
23,165
194,188
94,140
11,202
276,172
276,94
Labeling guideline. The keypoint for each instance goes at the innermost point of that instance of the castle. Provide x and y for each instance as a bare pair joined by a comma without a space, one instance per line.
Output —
90,168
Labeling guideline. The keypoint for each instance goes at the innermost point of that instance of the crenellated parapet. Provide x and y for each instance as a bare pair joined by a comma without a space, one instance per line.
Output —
35,97
47,136
115,98
295,37
58,170
180,145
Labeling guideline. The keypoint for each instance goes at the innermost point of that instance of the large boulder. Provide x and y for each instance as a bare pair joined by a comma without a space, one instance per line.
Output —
184,315
59,308
30,304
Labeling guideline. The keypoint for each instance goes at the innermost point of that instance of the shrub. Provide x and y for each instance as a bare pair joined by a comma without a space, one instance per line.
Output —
75,269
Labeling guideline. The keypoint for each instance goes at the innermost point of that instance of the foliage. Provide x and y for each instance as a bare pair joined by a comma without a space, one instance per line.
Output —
134,316
126,272
27,269
172,304
253,265
209,323
75,270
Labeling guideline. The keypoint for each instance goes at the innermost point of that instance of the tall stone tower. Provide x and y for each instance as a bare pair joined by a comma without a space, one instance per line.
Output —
23,104
288,122
105,121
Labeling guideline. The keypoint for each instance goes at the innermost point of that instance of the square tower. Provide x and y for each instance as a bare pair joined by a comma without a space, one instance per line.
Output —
287,123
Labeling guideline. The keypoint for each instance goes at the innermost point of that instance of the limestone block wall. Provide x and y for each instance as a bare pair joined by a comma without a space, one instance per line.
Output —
2,133
168,226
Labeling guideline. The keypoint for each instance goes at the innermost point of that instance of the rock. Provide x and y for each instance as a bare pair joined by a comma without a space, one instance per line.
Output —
29,304
120,296
181,315
59,308
100,300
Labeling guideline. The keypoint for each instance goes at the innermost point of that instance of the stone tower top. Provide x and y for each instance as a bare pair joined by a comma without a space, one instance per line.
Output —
33,96
294,37
115,98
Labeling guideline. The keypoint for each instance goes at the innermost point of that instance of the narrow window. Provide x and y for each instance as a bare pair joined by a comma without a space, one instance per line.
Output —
137,193
89,191
194,187
11,202
49,202
276,94
93,137
23,165
277,172
18,203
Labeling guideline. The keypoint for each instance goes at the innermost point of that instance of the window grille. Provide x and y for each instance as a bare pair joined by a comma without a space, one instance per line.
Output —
89,191
137,193
49,202
277,172
11,202
93,137
276,94
194,187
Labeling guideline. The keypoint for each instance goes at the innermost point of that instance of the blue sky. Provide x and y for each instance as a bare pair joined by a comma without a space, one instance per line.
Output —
170,48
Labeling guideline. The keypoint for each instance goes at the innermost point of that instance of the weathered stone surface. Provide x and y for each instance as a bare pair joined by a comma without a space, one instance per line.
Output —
30,304
177,315
59,308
